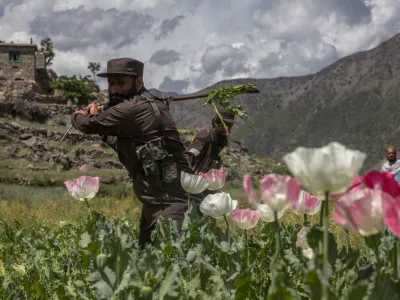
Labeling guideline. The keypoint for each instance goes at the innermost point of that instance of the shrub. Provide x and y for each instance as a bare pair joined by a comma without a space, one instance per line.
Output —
30,111
78,90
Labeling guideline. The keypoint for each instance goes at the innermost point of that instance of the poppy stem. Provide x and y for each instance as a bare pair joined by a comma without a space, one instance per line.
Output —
228,232
367,254
321,213
378,261
277,239
348,247
246,248
325,295
229,243
88,208
305,221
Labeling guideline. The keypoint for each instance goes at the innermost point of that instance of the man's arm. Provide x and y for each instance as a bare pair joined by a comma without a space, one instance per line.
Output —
110,140
113,121
196,151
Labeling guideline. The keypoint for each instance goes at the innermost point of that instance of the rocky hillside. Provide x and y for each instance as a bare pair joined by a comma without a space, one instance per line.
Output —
353,101
29,150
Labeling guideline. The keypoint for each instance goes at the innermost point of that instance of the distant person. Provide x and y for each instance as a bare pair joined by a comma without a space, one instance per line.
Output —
203,152
393,164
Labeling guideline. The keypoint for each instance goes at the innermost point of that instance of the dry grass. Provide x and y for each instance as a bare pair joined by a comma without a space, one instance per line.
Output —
53,178
50,205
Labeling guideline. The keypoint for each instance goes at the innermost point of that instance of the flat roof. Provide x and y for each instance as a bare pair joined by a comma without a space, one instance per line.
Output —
18,45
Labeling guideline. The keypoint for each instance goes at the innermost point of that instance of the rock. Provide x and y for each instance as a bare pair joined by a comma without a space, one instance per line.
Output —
30,142
48,147
95,146
87,168
39,153
25,136
15,125
97,165
107,180
42,132
5,136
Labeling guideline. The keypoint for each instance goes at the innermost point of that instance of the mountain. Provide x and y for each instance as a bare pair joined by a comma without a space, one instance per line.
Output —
353,101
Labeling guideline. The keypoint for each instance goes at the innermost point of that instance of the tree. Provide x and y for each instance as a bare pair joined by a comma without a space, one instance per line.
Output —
78,90
94,67
46,47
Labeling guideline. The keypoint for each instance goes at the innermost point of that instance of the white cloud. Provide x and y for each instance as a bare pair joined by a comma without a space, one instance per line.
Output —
188,45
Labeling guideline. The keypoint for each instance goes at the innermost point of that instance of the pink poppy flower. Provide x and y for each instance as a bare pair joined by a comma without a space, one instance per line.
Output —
383,181
361,211
84,187
253,199
302,243
215,177
355,185
245,218
391,211
306,204
276,191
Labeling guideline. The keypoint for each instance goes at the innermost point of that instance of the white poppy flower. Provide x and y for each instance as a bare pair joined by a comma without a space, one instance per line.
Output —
193,184
327,169
267,214
84,187
217,205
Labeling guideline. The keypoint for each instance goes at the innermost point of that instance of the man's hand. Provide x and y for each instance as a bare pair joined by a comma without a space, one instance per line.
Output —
92,108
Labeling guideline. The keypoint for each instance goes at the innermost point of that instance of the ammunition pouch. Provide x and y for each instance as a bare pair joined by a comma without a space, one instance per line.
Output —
158,164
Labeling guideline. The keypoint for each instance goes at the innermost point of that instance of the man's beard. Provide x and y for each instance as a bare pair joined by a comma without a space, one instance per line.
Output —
115,98
392,159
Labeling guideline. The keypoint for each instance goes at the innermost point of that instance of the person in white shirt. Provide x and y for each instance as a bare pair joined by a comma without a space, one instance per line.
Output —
393,164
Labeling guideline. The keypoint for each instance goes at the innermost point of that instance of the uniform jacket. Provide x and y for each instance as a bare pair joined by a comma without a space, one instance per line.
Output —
130,124
203,153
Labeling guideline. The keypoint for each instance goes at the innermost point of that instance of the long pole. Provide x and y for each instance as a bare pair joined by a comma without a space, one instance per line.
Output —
186,97
205,95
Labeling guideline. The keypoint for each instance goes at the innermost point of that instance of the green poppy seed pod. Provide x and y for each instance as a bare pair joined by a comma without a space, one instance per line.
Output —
101,260
191,257
146,291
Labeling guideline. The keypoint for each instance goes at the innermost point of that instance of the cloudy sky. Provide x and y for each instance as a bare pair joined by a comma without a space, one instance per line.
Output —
188,45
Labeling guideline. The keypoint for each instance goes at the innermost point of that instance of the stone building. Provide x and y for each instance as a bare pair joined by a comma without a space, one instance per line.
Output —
23,62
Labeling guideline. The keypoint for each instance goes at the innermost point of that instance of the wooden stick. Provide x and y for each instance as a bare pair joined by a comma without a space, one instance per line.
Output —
205,95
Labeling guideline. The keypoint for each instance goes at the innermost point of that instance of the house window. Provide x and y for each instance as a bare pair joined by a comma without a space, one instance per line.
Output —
14,56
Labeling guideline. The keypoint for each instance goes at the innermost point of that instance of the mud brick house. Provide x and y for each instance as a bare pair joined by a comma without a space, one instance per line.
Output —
23,62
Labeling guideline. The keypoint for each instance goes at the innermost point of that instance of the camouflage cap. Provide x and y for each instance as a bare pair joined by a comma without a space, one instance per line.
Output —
227,116
123,66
